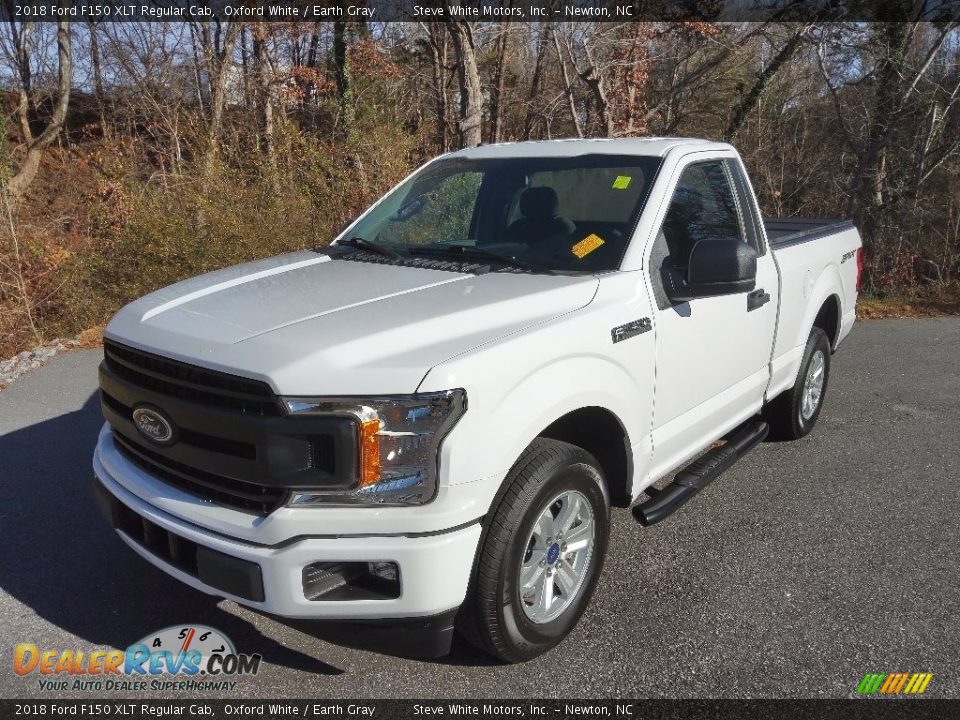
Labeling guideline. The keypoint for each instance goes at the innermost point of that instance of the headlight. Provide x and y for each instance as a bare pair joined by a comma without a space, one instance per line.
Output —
398,440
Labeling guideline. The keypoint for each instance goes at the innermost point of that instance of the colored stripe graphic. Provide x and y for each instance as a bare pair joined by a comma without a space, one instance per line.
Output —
889,683
871,683
894,683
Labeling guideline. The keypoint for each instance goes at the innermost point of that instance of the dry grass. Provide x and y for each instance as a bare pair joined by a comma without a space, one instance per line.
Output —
101,227
913,304
91,337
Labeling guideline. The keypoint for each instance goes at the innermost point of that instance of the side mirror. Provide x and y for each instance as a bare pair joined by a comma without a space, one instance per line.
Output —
716,267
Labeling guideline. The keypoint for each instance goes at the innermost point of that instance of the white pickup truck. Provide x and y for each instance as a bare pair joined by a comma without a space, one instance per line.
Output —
424,424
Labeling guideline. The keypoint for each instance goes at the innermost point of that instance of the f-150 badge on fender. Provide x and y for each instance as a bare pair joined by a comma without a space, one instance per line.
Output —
635,327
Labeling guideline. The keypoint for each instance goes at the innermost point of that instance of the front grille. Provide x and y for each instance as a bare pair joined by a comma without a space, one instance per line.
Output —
231,444
224,446
249,497
180,380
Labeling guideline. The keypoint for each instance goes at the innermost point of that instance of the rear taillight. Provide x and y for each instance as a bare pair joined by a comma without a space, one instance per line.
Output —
859,267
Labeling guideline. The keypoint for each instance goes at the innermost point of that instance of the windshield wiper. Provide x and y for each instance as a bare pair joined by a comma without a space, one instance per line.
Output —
360,244
471,251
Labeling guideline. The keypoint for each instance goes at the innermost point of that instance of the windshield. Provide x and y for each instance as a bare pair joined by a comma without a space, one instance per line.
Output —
558,214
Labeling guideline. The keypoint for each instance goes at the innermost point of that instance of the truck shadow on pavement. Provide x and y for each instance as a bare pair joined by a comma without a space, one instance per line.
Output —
59,557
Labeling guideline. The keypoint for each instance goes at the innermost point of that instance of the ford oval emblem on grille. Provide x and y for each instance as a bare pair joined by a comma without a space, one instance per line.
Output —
153,425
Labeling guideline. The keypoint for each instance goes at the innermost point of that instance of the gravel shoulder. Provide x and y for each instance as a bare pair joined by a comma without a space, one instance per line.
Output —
27,361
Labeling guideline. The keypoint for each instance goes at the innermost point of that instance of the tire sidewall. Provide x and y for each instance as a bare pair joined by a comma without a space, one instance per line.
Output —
531,638
818,341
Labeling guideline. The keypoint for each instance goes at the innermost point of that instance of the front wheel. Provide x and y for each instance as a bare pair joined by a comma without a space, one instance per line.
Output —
794,413
542,554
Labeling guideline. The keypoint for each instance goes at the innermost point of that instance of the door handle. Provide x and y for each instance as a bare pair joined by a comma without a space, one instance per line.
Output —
758,298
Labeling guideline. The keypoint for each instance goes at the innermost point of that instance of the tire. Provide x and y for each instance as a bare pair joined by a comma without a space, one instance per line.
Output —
499,616
794,412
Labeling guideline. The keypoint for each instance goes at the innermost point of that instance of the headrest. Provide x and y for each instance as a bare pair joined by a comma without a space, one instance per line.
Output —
539,203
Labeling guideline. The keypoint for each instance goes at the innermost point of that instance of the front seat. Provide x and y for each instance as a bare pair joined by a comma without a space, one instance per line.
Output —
539,219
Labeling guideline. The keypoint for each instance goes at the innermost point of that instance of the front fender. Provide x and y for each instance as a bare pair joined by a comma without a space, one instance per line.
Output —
508,409
519,385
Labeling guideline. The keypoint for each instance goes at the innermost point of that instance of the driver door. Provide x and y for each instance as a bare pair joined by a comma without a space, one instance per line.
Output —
713,353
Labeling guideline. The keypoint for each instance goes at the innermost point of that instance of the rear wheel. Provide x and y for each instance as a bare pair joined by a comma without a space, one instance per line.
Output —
542,553
794,413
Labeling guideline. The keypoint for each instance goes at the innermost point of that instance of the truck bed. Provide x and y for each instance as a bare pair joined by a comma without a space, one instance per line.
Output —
783,232
812,254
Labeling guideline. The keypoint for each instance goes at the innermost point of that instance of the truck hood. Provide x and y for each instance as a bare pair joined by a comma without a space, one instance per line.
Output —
309,324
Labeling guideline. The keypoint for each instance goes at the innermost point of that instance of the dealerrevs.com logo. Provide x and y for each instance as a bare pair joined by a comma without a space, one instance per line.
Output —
181,657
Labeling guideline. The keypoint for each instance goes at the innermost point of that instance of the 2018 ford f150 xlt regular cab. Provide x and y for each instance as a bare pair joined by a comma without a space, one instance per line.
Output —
429,418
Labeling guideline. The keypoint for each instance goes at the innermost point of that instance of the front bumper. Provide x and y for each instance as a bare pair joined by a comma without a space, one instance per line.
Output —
434,567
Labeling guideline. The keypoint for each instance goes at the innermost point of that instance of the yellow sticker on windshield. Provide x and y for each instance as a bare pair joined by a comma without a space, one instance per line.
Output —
586,246
622,182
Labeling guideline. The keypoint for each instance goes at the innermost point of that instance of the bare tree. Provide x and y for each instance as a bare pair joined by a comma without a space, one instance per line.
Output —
471,99
764,77
593,77
499,75
97,67
159,88
264,74
21,36
217,42
536,82
902,62
567,87
436,43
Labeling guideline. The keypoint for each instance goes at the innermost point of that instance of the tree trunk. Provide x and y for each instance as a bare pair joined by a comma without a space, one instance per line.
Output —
471,100
314,44
245,63
96,64
219,59
751,99
199,63
309,98
21,180
594,80
567,88
542,40
889,74
437,41
499,75
264,102
340,56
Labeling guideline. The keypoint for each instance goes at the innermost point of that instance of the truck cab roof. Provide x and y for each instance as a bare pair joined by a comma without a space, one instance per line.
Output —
651,146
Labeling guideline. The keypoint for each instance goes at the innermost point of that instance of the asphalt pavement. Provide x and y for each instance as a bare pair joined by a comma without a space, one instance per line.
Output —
805,566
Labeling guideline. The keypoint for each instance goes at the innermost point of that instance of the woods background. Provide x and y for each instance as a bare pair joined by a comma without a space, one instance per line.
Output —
136,154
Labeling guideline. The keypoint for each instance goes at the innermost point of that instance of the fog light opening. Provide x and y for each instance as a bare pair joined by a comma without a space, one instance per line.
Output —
355,580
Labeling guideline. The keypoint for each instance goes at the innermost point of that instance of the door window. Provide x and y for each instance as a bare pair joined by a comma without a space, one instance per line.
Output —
704,207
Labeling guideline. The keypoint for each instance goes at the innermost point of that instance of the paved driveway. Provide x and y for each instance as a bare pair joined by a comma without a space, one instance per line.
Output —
805,566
